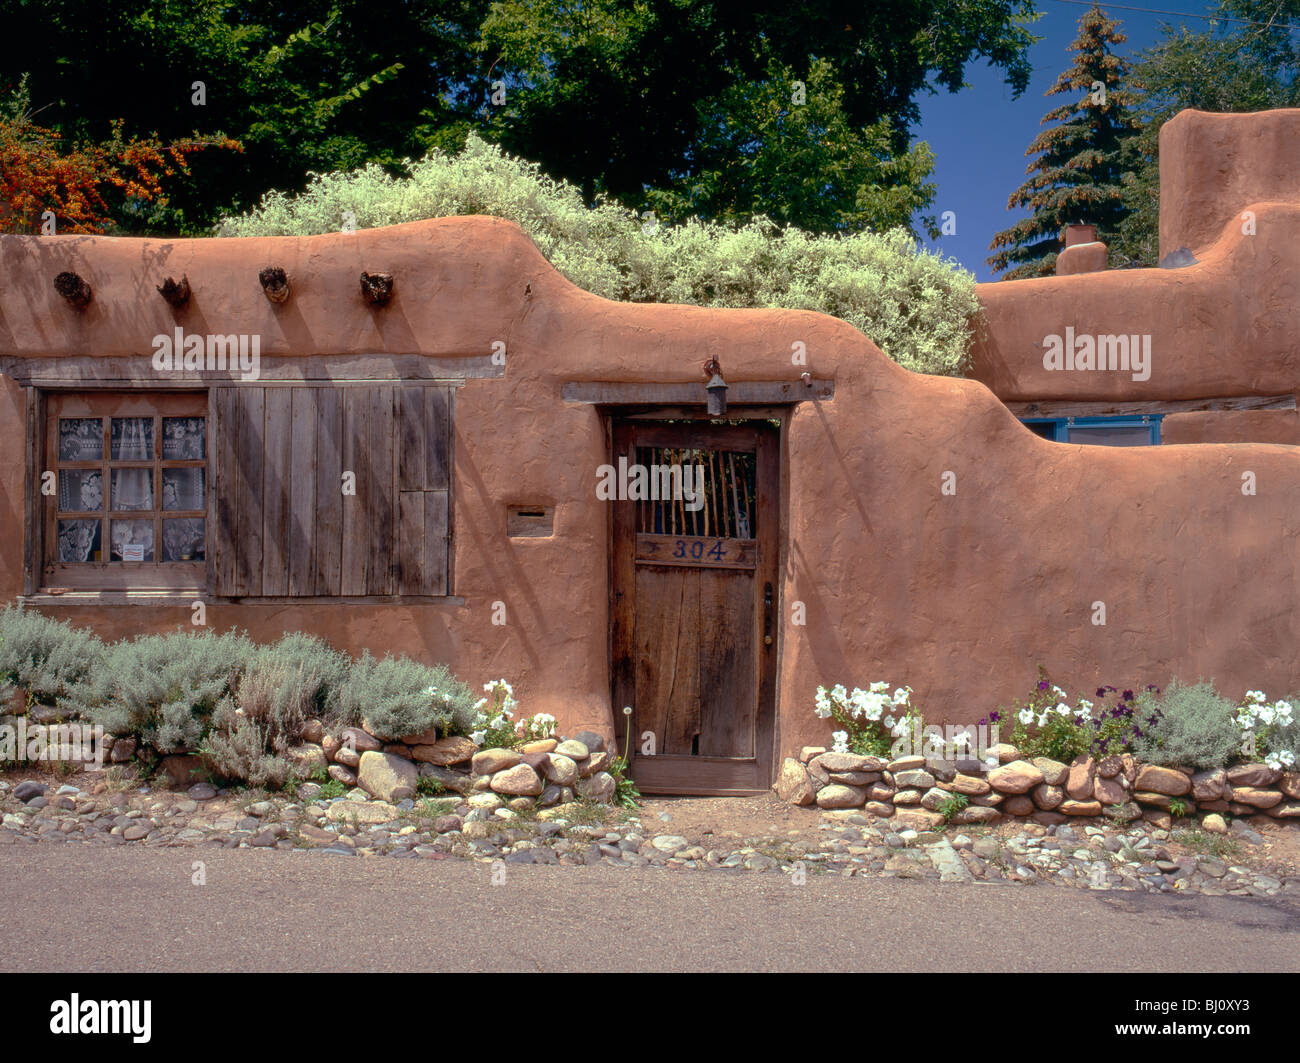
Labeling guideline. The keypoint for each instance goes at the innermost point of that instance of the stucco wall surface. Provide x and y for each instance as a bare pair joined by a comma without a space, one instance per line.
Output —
959,595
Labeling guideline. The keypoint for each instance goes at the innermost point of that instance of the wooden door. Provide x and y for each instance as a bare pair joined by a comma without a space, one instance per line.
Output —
694,588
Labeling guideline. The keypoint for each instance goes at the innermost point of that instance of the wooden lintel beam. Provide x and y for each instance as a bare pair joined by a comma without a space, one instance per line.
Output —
1150,408
742,392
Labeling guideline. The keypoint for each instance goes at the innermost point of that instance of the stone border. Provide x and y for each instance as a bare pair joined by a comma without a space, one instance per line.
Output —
910,791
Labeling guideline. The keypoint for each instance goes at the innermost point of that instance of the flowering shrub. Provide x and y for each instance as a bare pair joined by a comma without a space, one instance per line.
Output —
535,727
1263,727
916,305
1049,725
492,720
867,717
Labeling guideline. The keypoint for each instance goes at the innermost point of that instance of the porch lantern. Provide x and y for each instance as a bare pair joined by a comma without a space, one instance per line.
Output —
716,388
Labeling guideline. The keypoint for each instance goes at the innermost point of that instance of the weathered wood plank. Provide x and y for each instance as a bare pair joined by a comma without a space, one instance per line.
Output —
304,520
437,559
356,508
249,445
696,552
1140,407
728,664
411,575
137,371
412,459
328,556
437,417
668,658
381,572
277,472
221,536
689,394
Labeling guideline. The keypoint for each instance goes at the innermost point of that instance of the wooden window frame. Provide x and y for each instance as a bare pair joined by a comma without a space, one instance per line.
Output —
106,575
1060,426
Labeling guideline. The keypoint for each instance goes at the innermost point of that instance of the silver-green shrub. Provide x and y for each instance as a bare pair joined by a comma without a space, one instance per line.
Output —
396,696
915,305
283,685
1186,726
165,688
49,660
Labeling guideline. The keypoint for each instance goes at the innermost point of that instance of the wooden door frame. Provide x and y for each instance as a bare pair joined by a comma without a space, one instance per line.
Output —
700,775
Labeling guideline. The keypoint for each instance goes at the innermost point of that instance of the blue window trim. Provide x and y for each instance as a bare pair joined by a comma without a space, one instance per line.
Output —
1061,425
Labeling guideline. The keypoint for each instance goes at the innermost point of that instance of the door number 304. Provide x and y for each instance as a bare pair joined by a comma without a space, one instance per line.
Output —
696,550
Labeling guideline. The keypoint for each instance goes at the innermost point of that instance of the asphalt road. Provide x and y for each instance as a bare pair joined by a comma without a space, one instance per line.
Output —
77,908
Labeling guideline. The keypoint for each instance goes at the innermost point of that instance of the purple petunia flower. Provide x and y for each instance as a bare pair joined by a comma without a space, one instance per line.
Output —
1043,684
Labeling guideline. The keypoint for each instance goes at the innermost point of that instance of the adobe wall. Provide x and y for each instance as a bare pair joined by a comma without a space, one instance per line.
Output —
1245,426
959,595
1215,166
1224,327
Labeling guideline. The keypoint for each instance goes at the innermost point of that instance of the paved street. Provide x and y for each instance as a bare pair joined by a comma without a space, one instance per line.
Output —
78,908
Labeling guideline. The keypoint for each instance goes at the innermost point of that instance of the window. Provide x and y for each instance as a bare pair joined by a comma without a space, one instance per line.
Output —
285,491
128,509
1140,431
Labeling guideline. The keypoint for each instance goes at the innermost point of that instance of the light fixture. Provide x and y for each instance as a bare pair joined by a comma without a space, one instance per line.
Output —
716,388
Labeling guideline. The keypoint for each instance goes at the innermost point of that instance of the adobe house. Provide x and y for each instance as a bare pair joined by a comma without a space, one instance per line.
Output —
1220,319
420,463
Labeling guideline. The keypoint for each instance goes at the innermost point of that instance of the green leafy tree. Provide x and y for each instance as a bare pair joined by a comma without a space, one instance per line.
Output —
1238,66
785,147
1078,174
313,85
684,106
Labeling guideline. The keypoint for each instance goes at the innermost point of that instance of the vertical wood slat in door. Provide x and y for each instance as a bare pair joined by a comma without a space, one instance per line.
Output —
277,473
667,657
728,662
623,588
304,521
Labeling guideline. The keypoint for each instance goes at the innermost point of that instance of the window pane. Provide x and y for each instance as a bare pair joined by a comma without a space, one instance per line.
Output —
182,488
132,439
80,490
132,489
79,540
81,439
132,540
184,438
183,539
1130,436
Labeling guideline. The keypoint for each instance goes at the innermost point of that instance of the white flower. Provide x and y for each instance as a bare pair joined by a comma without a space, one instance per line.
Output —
1062,709
1059,693
477,737
901,695
889,722
879,688
841,740
1025,716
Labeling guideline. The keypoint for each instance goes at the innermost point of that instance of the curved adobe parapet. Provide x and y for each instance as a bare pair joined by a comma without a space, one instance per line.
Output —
1223,327
1213,166
930,538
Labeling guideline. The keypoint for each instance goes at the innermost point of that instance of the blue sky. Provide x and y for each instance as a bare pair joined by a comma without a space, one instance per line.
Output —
979,135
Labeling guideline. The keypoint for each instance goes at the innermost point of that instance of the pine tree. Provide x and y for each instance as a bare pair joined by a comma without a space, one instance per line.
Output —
1077,177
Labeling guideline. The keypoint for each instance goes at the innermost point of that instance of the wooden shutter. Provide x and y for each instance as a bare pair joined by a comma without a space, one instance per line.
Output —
284,526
